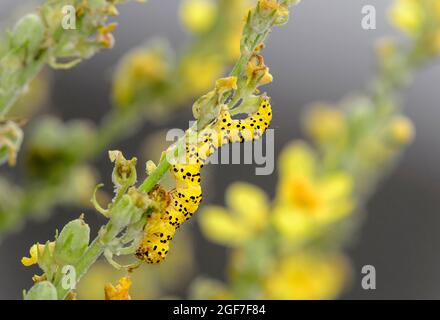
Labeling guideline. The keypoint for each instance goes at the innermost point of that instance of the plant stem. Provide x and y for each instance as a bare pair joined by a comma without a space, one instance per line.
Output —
88,259
7,101
155,176
94,251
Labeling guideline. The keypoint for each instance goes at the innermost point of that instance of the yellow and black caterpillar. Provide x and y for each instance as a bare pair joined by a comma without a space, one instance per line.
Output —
187,195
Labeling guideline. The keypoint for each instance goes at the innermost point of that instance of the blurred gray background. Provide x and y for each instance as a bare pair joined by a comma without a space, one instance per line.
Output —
322,54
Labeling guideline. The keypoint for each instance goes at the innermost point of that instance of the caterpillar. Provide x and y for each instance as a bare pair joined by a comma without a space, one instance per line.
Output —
185,199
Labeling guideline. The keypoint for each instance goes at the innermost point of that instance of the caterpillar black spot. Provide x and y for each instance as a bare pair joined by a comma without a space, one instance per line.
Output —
186,197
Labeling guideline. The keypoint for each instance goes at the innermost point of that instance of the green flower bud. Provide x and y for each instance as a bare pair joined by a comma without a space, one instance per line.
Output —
127,210
28,31
72,242
43,290
124,173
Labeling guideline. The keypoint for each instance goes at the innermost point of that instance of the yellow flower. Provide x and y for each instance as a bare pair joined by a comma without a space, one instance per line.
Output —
419,19
407,15
138,71
35,252
198,15
402,130
248,209
325,123
120,292
147,64
226,84
200,74
306,199
307,276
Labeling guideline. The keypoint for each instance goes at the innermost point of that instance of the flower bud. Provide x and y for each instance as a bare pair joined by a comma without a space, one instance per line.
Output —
43,290
72,242
401,130
129,208
124,172
28,31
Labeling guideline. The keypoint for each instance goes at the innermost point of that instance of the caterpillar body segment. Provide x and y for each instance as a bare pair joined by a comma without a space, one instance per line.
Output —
187,195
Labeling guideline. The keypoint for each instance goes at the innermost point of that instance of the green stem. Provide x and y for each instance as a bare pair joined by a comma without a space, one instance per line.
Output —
94,251
155,176
8,100
90,256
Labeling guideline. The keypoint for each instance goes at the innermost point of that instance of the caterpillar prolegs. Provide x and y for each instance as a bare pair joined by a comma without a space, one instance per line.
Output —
184,200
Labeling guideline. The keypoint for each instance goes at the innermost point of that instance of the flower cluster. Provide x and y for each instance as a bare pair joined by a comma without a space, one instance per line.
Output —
273,256
419,20
290,248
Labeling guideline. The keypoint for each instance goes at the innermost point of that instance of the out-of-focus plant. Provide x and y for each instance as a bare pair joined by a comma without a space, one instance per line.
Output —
11,134
291,247
152,79
42,38
149,82
144,218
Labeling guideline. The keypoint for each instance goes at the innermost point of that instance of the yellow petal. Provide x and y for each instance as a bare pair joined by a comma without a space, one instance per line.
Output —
297,159
249,203
308,275
335,185
325,123
219,226
407,15
33,259
198,15
339,210
292,223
